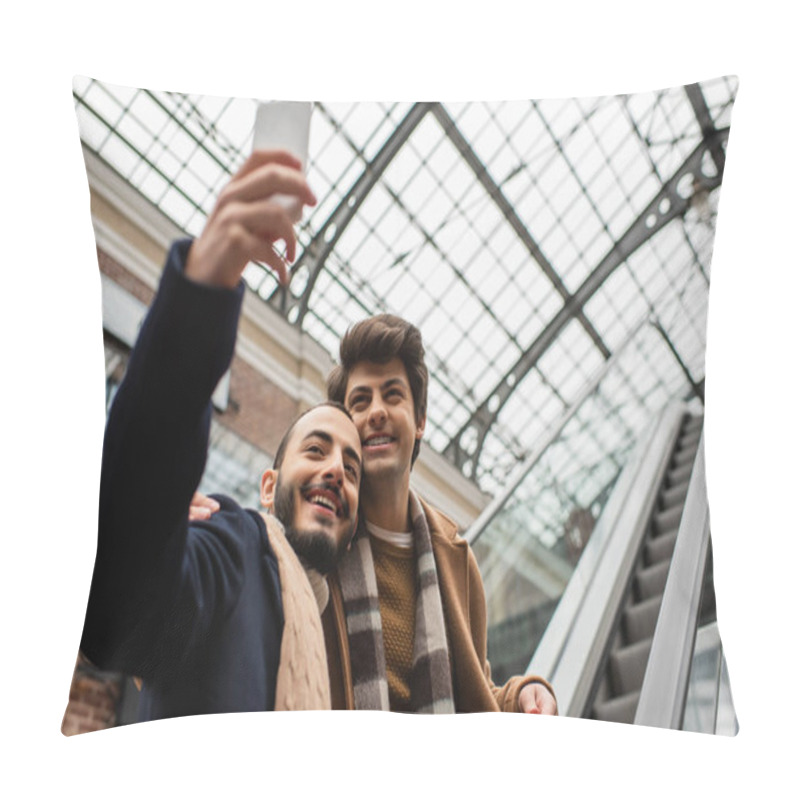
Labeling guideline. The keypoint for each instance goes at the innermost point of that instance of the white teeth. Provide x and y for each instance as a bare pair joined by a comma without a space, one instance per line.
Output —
322,501
379,440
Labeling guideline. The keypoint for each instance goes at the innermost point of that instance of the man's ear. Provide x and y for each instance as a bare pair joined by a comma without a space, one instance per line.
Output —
269,480
421,427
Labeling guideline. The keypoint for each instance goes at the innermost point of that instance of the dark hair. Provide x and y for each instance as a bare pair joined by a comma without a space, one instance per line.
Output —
276,464
380,339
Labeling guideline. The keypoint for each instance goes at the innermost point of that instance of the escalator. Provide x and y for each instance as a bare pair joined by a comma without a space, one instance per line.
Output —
634,637
616,696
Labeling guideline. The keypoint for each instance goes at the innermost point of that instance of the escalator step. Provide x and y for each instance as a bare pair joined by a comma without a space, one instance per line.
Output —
675,495
668,520
618,709
640,620
692,424
660,548
651,581
679,475
689,438
684,456
627,667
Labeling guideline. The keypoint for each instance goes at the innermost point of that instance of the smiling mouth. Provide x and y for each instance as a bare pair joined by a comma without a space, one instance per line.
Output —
325,499
378,441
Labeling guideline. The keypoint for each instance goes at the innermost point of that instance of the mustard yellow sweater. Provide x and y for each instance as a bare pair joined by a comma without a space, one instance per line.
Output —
395,571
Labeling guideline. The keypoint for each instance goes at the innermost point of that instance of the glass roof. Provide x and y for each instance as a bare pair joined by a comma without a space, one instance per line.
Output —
528,240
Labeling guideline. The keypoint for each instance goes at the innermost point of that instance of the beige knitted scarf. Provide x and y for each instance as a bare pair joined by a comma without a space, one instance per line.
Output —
302,682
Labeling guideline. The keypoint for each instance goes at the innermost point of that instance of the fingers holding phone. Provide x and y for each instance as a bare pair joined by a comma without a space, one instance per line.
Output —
284,126
261,203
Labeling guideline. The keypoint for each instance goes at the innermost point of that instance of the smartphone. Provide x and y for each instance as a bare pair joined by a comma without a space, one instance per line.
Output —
285,125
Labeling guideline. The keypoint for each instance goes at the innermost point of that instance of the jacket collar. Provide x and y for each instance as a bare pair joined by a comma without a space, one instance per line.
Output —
442,526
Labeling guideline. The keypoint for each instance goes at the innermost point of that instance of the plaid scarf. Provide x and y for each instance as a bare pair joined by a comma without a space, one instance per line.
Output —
431,685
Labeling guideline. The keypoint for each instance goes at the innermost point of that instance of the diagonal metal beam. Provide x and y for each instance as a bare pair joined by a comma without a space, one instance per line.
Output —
697,388
324,241
646,146
507,210
666,206
698,102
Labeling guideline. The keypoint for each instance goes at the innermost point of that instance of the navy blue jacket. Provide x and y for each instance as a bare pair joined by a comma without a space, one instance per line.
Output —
193,609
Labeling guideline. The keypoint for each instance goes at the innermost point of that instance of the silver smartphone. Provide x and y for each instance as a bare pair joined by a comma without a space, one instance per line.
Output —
285,125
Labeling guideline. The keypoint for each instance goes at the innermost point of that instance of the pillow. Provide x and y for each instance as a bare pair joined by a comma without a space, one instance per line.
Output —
555,256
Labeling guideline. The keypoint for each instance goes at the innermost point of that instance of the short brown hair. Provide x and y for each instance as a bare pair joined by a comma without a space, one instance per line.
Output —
380,339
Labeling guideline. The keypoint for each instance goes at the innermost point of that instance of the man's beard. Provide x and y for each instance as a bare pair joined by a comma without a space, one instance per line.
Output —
315,548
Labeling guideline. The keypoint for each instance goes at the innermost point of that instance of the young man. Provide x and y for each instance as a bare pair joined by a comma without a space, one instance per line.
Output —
405,627
217,615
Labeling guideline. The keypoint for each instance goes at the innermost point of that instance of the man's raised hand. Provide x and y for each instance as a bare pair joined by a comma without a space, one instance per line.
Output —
246,221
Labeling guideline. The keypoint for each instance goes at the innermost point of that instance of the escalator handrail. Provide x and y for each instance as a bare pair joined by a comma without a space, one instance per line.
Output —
572,647
663,695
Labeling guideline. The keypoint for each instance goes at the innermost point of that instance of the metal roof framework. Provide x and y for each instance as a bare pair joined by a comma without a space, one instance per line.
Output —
527,239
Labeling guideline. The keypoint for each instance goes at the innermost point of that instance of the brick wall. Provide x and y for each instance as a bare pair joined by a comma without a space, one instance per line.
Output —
93,700
258,411
114,270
